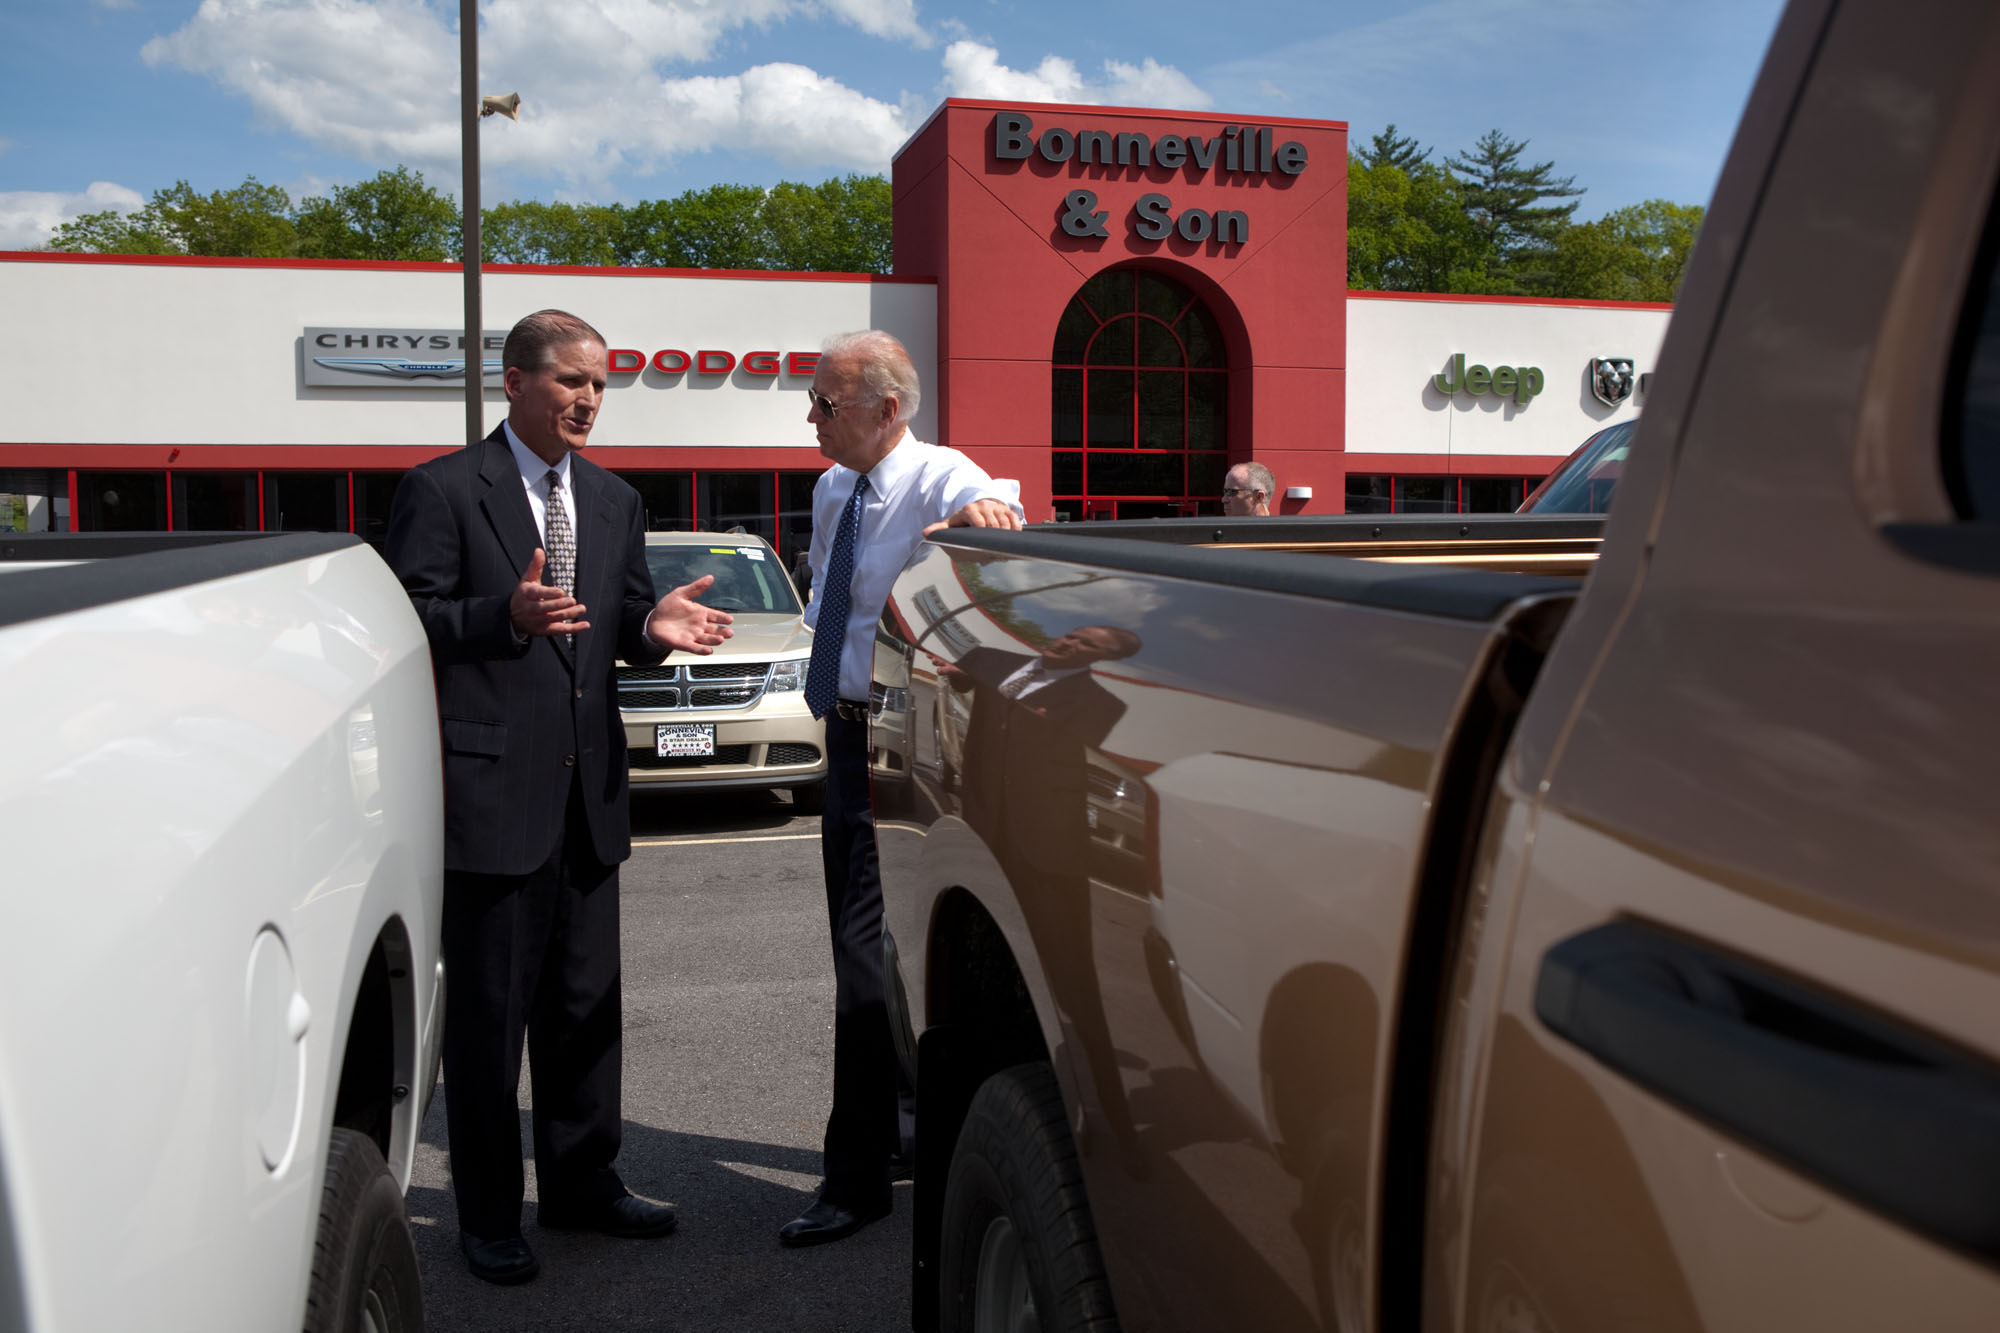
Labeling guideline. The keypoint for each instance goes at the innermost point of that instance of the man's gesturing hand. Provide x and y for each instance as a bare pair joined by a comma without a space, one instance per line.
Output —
538,610
981,514
679,621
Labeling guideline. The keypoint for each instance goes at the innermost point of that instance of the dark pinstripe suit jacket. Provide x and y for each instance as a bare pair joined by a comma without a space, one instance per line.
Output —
521,719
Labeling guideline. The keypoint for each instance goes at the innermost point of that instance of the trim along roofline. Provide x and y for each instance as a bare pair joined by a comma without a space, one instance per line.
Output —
425,266
1080,108
1472,298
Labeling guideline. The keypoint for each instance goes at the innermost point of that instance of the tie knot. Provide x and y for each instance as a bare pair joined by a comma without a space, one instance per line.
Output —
554,479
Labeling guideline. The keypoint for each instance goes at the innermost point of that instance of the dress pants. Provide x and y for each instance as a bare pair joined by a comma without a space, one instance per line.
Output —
874,1111
534,954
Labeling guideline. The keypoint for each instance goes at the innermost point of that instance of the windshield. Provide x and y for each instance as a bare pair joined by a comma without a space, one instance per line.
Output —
747,578
1583,482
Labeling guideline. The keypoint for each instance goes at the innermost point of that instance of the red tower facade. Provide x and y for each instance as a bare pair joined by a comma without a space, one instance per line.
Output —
1117,286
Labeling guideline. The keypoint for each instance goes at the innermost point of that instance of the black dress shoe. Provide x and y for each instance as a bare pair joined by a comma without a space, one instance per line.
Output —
626,1216
505,1262
824,1222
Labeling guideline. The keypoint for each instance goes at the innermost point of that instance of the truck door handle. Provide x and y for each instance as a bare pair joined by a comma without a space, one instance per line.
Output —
1897,1120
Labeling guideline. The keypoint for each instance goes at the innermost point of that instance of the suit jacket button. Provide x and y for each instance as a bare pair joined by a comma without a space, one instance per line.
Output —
579,694
569,761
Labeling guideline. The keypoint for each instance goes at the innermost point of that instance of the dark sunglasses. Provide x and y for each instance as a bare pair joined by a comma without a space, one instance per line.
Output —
827,407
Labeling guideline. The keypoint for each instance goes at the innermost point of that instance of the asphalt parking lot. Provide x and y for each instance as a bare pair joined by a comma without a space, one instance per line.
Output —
728,1069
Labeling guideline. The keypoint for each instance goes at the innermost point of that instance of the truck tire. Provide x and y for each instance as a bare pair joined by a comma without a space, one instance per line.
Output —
365,1259
1019,1250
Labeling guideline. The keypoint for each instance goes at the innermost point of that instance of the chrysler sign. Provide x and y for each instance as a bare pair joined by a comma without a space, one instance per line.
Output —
394,358
435,359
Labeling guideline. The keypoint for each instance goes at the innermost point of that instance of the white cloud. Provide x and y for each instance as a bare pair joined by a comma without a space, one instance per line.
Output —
783,111
882,18
973,69
376,80
608,87
30,217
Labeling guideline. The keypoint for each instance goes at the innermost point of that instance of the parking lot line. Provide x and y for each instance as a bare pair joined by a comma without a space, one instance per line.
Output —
684,842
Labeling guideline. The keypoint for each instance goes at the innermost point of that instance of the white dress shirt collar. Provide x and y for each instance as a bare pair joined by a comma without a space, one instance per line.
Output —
533,468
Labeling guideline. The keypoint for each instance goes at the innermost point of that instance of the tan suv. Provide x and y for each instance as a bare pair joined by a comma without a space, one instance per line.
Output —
739,717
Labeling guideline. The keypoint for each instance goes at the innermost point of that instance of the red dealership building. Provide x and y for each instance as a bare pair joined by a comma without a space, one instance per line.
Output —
1110,305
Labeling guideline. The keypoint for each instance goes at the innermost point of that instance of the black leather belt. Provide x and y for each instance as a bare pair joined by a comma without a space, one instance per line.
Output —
850,711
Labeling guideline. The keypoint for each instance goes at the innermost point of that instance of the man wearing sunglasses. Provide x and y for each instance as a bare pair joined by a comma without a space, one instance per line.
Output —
871,510
1247,490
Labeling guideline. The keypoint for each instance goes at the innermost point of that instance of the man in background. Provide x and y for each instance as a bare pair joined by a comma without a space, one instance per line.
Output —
1248,490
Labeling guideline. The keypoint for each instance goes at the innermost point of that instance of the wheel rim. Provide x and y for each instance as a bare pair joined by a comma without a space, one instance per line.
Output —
374,1319
1002,1300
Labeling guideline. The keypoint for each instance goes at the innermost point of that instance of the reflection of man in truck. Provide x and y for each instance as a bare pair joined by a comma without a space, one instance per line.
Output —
1034,718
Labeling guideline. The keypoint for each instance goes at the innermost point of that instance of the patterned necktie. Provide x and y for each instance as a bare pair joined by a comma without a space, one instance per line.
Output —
560,571
823,675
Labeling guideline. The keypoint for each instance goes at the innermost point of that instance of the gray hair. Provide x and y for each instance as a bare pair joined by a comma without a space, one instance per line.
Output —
531,344
885,367
1260,479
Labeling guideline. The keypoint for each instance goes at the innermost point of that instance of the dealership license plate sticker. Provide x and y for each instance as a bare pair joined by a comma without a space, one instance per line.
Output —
677,740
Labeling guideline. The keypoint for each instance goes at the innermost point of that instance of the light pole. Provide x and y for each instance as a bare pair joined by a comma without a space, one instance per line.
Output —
475,331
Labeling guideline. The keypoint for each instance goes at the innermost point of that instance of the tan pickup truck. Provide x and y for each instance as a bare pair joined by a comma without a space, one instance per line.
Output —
1362,926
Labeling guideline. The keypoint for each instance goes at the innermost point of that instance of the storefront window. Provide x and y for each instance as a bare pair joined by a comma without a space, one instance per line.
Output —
374,493
795,514
305,502
777,506
668,498
34,500
1376,494
727,500
1139,401
121,501
215,501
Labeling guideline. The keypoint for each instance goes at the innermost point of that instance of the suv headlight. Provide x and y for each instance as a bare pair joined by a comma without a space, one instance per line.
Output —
787,676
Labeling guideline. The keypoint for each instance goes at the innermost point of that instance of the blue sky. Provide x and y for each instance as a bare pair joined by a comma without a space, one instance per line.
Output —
104,101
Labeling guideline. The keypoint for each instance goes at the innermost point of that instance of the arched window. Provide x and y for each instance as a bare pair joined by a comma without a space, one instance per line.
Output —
1140,401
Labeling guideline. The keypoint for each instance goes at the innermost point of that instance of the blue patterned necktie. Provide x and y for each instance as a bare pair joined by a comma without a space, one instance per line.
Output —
823,675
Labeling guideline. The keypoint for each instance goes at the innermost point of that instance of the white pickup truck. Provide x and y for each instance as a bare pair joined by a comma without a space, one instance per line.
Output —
220,991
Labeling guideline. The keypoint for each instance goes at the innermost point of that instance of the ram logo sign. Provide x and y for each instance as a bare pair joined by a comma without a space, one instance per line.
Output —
1611,379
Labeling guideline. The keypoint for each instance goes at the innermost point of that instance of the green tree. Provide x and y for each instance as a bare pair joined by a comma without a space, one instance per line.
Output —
841,225
1407,231
114,233
391,215
721,226
530,232
648,236
1390,149
1638,253
1506,202
250,219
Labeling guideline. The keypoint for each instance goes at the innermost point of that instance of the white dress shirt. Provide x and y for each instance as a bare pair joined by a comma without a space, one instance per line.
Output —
534,476
533,470
917,485
1034,676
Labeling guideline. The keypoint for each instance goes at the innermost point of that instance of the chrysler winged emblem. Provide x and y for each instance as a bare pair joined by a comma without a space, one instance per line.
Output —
399,367
1611,379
